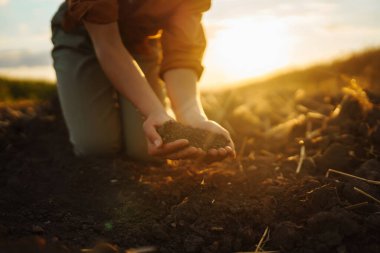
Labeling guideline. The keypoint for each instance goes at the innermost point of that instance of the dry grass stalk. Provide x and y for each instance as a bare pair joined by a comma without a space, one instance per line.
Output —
367,195
241,153
282,130
302,158
352,176
315,115
142,250
357,92
356,205
262,240
313,134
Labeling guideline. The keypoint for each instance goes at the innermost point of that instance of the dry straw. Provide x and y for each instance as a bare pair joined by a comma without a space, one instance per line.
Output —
367,195
352,176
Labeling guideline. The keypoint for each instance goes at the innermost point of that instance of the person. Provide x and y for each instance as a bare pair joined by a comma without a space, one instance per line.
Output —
115,60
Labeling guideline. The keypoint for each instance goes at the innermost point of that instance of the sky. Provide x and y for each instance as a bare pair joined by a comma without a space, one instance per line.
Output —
246,38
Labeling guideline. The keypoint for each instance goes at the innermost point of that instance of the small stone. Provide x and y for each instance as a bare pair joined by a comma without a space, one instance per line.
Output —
322,198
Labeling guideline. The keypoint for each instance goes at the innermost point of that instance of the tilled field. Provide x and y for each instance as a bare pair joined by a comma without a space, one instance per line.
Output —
285,192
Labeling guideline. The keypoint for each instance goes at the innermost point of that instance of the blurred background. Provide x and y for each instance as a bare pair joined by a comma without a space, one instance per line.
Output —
247,40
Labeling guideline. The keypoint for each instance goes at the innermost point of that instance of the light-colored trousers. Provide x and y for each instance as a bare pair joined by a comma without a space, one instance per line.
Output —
99,121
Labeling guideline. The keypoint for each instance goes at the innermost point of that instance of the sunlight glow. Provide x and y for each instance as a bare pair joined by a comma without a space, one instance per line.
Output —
4,2
247,47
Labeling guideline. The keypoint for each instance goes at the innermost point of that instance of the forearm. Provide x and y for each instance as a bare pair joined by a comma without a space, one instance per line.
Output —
181,86
129,80
122,70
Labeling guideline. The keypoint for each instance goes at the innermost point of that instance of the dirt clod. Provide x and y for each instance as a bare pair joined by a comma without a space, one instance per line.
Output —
336,156
286,235
200,138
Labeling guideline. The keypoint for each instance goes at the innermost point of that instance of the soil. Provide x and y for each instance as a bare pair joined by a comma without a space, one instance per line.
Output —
200,138
52,201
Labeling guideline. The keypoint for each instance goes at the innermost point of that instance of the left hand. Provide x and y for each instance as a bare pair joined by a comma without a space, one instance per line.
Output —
181,86
220,153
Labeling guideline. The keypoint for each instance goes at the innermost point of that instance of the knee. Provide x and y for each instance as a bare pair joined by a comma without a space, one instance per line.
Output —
90,145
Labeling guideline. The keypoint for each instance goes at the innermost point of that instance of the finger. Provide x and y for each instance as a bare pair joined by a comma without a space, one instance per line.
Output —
214,155
232,144
212,152
171,147
230,151
187,153
202,152
209,159
222,152
152,135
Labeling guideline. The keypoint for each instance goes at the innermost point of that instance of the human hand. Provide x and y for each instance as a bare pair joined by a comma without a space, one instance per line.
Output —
178,149
214,154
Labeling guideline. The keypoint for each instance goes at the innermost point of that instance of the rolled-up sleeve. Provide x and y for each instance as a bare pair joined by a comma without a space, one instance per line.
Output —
94,11
183,38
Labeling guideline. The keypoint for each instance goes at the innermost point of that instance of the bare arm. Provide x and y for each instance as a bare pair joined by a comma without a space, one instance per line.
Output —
182,90
181,85
127,78
121,68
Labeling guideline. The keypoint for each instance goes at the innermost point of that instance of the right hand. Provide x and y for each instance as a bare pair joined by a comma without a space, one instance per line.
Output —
178,149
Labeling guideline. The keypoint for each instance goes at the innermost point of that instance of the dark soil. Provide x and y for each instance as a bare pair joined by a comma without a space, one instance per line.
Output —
51,200
200,138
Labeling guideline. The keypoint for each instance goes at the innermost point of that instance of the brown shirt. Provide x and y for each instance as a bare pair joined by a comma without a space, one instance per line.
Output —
177,22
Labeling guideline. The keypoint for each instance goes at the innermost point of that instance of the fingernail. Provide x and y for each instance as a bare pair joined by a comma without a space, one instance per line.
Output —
157,143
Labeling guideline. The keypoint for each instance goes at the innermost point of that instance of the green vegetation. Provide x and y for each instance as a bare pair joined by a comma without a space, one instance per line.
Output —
12,90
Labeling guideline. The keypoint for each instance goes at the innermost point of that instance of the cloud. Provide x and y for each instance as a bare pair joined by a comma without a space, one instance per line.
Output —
31,73
4,2
26,64
16,58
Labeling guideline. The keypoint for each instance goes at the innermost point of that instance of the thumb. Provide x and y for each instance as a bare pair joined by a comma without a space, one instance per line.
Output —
153,136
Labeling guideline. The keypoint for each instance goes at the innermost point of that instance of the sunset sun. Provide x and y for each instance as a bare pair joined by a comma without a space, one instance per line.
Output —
247,47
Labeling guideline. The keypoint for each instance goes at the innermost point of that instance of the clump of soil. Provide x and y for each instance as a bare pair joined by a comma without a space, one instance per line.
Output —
200,138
